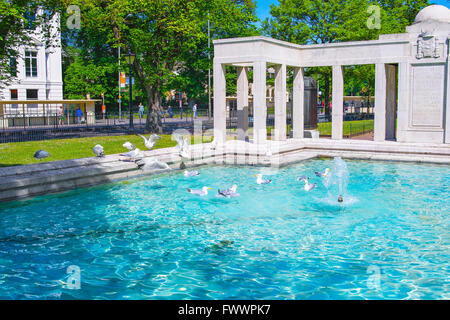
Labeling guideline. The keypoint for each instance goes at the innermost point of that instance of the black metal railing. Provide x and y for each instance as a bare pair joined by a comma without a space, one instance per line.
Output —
29,126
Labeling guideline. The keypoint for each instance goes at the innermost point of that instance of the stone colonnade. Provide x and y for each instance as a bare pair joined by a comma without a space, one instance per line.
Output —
412,81
385,101
259,102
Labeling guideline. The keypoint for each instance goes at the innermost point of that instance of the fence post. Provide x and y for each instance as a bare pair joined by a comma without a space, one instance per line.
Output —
24,124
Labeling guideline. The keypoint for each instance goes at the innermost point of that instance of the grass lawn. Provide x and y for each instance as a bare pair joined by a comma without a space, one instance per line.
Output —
19,153
350,127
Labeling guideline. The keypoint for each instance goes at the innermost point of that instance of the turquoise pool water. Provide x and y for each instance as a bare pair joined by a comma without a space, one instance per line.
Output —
150,239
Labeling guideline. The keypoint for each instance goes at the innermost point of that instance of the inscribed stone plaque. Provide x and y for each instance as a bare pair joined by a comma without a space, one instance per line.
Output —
428,95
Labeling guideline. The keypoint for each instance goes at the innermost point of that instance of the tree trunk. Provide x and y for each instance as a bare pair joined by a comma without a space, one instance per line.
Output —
153,123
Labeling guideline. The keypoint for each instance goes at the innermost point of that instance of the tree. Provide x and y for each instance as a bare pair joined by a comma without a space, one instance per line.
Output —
317,21
88,76
165,35
228,19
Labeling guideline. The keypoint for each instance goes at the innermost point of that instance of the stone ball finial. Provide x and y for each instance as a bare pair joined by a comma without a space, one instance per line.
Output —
433,13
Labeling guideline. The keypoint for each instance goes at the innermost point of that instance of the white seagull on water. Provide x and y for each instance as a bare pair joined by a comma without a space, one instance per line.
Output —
200,192
190,173
323,174
228,193
308,186
260,180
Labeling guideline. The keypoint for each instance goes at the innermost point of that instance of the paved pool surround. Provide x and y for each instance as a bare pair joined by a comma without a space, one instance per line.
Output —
21,182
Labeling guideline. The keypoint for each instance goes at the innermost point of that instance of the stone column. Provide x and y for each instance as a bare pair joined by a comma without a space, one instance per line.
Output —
280,103
220,114
242,103
447,98
337,103
403,101
259,102
298,91
380,103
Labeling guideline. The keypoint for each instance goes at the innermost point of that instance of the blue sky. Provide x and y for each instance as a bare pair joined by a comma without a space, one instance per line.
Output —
263,6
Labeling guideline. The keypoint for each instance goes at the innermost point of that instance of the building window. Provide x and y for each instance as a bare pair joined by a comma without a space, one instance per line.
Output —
31,63
14,96
13,66
32,94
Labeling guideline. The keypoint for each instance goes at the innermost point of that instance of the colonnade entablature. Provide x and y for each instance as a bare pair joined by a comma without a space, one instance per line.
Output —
412,81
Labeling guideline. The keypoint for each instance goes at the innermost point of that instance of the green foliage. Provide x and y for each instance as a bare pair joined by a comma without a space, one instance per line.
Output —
168,37
90,76
228,19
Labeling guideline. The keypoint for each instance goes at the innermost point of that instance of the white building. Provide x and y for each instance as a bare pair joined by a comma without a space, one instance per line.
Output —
38,73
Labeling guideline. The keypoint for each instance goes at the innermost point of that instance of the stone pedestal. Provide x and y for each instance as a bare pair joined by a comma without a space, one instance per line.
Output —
313,134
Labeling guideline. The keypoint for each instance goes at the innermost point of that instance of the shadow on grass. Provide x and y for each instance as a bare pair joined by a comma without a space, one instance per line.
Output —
3,165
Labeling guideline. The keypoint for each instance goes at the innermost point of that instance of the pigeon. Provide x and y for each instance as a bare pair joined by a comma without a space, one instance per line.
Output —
98,150
323,174
41,154
228,193
260,180
150,142
308,186
200,192
129,146
190,173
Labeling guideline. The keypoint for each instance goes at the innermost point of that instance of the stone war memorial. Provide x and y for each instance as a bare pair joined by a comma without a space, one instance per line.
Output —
412,81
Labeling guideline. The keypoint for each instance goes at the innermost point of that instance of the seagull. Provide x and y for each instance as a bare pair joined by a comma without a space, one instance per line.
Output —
150,142
228,193
151,163
41,154
190,173
134,154
182,145
260,180
98,150
200,192
308,186
129,146
323,174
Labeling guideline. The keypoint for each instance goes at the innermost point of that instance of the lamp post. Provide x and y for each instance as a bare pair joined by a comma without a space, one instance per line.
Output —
129,57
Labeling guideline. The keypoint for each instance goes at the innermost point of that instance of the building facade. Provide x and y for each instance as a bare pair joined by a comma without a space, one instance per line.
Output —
38,75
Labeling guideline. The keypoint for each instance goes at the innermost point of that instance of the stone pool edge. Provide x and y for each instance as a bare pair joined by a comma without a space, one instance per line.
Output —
23,182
